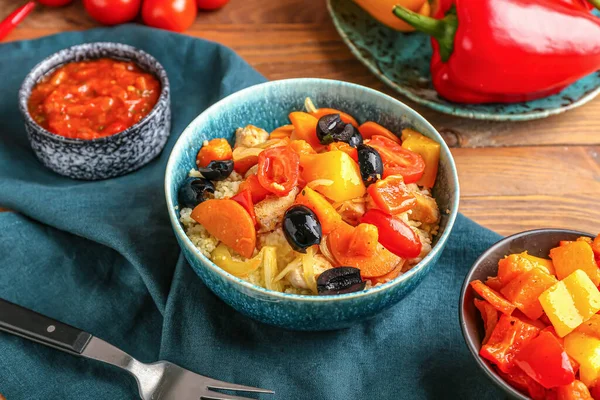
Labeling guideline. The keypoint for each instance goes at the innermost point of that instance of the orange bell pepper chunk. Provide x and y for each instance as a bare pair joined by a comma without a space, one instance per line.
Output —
494,298
214,150
574,256
524,290
281,132
516,264
305,128
256,190
301,147
327,215
489,315
575,390
370,129
345,147
229,222
494,283
379,263
347,118
391,195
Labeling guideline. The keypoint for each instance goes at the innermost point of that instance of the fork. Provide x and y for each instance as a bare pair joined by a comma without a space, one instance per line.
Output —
161,380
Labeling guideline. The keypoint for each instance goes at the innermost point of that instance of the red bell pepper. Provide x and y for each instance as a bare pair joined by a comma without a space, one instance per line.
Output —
244,198
15,18
544,359
508,338
394,234
504,51
518,379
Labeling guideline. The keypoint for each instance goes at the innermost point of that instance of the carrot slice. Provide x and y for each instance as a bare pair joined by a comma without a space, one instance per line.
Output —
494,298
370,129
229,222
347,118
389,276
380,263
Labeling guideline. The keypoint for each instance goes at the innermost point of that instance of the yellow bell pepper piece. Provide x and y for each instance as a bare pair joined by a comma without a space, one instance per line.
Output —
222,257
570,302
337,167
586,351
573,256
428,149
381,10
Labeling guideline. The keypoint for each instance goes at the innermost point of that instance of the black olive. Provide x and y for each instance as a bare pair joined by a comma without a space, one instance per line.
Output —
330,128
217,170
301,228
356,138
193,191
371,166
340,280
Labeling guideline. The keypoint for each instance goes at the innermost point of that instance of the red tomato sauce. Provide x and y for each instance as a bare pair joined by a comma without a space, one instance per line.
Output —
93,99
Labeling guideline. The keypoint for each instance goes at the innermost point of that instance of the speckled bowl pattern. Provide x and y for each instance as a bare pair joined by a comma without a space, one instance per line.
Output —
401,60
267,105
538,243
105,157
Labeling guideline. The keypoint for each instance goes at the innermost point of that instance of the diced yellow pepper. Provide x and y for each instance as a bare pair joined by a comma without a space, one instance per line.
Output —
574,256
570,302
338,168
428,149
586,351
591,327
543,263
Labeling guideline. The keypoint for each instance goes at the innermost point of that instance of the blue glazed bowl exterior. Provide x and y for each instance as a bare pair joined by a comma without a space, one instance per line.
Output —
267,105
105,157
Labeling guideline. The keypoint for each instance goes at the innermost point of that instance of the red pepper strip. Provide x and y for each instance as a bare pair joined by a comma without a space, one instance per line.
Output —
533,48
252,184
278,169
489,315
523,383
15,18
394,234
494,298
544,359
245,199
391,195
508,338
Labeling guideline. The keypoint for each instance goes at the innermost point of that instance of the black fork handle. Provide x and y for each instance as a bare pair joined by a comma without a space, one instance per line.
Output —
31,325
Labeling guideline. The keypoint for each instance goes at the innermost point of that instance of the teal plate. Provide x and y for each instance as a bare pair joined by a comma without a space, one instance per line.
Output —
401,60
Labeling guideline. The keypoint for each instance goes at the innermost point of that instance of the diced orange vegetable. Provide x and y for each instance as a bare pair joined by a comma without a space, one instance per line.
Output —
229,222
347,118
364,241
391,195
370,128
565,242
327,215
574,256
542,263
524,290
494,298
428,149
518,379
214,150
345,147
305,128
576,390
256,190
387,277
380,263
490,317
596,249
284,131
586,351
515,264
509,336
595,391
245,158
494,283
301,147
337,167
591,327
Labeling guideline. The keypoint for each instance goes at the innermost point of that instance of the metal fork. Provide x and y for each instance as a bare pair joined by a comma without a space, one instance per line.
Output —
161,380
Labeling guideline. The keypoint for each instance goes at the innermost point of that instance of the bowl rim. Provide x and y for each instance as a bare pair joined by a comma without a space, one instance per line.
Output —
484,365
227,101
25,90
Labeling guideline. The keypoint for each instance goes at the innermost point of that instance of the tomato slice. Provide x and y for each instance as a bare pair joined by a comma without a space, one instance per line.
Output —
394,234
398,160
278,169
391,195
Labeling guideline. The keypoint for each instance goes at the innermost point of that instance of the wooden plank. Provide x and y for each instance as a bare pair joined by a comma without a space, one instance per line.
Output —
511,214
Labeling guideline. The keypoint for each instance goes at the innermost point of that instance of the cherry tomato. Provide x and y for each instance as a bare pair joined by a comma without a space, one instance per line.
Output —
394,234
172,15
397,160
278,169
211,4
112,12
54,3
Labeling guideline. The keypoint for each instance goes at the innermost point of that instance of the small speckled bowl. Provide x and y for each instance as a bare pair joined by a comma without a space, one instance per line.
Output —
105,157
537,243
267,105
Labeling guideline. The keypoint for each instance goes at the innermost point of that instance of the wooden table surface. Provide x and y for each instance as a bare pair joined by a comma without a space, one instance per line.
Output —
514,176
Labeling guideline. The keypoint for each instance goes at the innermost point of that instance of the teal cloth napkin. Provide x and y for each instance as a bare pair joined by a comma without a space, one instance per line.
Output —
101,256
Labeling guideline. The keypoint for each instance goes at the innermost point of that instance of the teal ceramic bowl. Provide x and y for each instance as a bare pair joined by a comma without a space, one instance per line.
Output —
267,105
